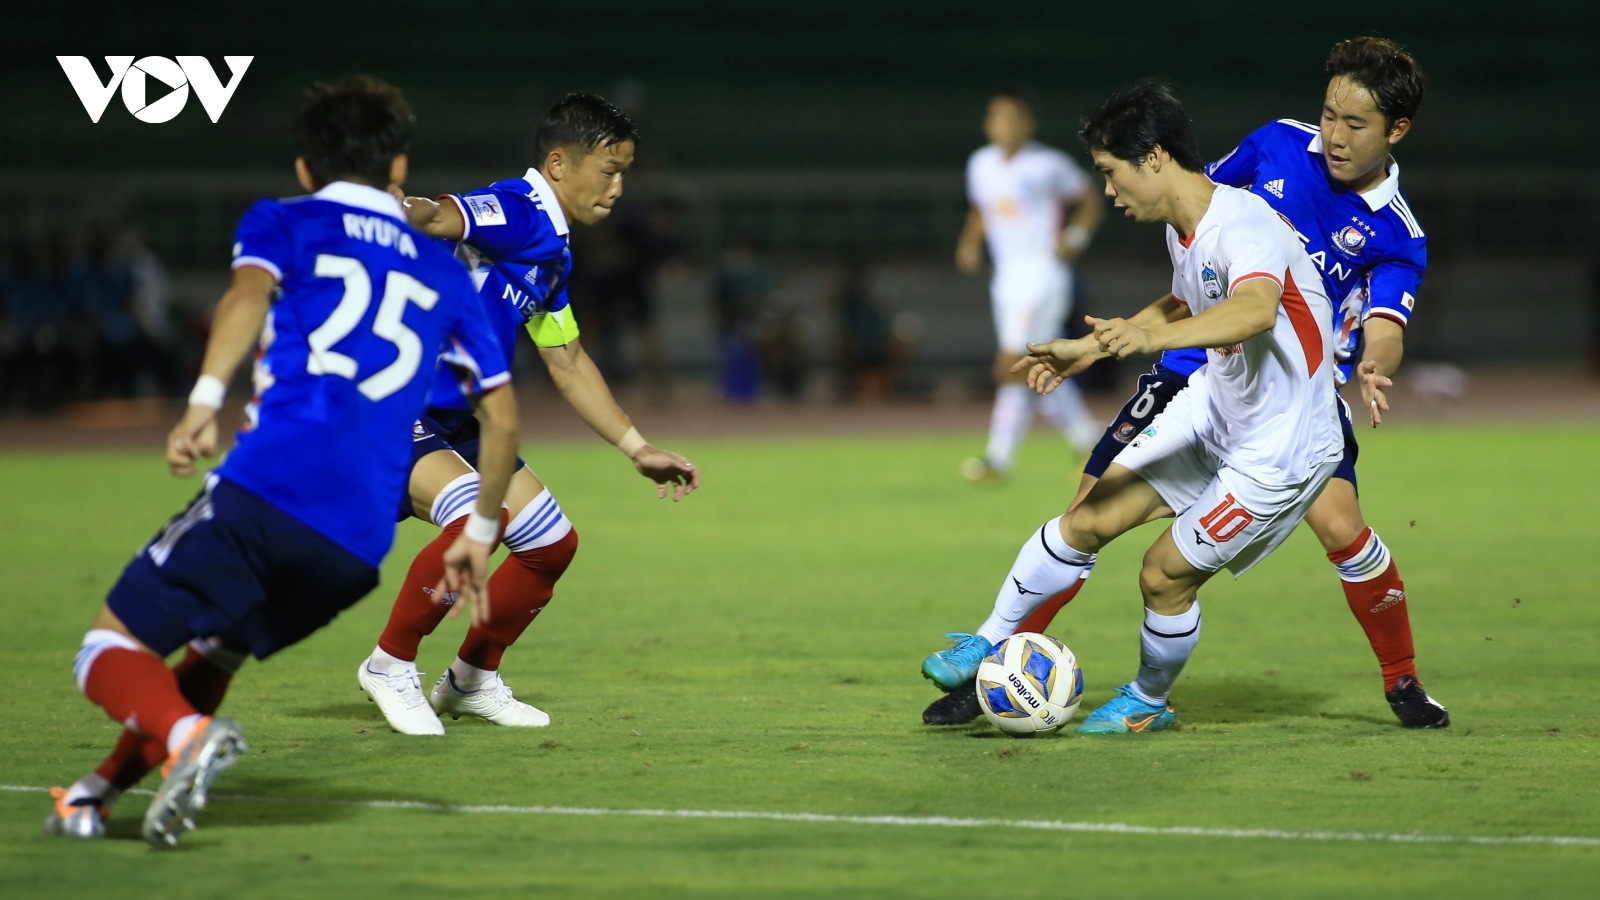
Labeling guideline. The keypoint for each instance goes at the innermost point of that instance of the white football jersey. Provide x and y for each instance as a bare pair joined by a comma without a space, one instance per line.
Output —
1021,200
1269,402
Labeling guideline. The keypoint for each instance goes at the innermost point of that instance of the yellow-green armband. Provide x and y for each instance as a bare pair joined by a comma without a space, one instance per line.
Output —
553,329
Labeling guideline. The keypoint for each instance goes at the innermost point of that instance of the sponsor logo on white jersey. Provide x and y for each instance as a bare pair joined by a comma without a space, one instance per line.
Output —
134,79
1209,282
1274,187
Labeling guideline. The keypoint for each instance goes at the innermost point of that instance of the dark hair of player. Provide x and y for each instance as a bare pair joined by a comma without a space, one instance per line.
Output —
353,130
1019,95
1136,119
1385,69
584,121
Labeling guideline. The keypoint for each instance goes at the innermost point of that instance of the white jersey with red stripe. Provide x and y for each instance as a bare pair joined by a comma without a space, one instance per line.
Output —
1268,407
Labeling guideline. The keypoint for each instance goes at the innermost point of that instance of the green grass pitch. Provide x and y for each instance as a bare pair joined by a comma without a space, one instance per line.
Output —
756,648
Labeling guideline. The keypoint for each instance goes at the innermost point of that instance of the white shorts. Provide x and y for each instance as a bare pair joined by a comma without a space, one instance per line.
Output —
1225,518
1030,303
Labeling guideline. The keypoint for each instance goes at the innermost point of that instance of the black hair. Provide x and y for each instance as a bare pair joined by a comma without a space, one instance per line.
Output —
1385,69
1136,119
353,130
1019,95
584,121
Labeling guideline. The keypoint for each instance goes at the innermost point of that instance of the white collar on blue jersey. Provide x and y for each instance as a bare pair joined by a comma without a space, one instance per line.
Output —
547,199
1378,197
348,193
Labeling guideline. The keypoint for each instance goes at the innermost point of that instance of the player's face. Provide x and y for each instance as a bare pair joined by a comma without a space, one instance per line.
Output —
1008,124
1355,136
594,182
1132,189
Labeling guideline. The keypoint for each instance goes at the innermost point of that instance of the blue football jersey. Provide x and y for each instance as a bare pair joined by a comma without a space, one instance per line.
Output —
1368,247
517,237
366,306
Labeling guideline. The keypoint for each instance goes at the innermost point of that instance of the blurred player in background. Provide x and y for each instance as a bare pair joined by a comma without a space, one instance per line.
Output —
515,235
1237,457
352,308
1020,193
1340,186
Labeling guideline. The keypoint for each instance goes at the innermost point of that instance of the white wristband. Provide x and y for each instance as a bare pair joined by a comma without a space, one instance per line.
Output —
209,391
482,528
1076,237
631,443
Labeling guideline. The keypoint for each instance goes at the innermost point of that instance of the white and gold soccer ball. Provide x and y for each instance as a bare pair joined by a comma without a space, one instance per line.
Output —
1030,684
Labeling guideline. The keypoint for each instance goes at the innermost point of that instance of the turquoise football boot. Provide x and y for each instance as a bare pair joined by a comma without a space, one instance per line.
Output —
950,669
1127,714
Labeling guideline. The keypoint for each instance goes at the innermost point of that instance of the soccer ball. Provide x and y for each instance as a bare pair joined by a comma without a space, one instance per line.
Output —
1030,684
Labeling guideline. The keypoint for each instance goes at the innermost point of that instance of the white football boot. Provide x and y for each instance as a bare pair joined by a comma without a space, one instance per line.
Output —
491,700
398,693
84,819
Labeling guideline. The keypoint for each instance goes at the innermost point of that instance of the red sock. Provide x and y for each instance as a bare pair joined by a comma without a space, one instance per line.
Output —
137,689
203,683
518,592
415,615
1378,602
1040,619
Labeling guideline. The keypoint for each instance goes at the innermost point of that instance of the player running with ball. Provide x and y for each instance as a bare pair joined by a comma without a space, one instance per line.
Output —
352,308
1238,456
515,233
1341,187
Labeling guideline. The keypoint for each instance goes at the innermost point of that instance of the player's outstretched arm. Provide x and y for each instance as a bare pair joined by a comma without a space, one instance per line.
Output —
1082,222
235,328
1383,342
1248,311
466,572
434,219
580,382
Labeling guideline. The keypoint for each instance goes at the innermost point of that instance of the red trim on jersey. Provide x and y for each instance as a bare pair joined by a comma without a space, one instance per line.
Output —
466,218
1251,275
1180,299
1186,241
1305,324
1390,315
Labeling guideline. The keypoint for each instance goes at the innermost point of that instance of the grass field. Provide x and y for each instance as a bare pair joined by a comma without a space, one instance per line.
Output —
756,647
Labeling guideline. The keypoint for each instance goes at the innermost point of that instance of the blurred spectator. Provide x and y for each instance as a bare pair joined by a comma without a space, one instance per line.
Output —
781,351
743,285
866,349
103,333
37,367
612,289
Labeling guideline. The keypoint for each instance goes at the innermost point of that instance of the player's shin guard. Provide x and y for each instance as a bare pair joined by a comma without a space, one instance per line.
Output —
1040,619
1377,598
203,677
542,543
132,685
415,614
1165,644
1046,565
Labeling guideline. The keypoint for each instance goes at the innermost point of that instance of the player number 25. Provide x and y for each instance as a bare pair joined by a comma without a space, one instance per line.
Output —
399,290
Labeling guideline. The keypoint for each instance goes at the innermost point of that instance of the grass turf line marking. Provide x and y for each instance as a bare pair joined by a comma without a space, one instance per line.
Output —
907,821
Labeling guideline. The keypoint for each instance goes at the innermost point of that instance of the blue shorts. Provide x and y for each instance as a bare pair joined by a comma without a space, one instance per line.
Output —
442,429
1154,391
234,566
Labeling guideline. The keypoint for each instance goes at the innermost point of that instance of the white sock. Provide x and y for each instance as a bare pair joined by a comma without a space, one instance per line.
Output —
1045,566
180,730
468,677
1064,408
380,661
91,786
1008,424
1165,643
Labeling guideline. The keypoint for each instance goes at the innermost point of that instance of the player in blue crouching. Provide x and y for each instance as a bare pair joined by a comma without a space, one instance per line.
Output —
351,308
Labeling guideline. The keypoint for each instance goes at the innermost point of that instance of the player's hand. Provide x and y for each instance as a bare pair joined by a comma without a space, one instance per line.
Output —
194,436
1066,251
1121,338
1372,390
665,468
969,258
1050,364
466,578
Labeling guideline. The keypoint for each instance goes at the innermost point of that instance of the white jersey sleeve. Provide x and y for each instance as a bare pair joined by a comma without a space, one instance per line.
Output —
1253,248
1068,180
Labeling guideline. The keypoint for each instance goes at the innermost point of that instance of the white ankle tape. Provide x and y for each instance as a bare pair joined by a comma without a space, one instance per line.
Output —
96,642
456,500
540,524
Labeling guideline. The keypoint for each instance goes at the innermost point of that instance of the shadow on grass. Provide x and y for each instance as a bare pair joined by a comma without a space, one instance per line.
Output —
242,801
354,711
1233,700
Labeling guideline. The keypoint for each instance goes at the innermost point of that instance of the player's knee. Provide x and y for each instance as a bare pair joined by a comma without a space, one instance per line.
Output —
456,499
1082,528
1166,588
1339,530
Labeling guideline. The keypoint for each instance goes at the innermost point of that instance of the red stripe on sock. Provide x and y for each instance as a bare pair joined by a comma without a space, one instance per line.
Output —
1338,557
136,688
415,614
518,591
1380,606
1041,618
203,683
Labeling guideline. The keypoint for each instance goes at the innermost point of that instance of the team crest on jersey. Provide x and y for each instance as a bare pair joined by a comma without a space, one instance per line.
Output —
1209,282
1124,432
485,210
1349,240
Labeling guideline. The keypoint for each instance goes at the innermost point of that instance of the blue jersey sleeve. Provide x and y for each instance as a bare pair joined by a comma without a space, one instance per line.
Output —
501,223
1393,283
472,351
1238,168
263,239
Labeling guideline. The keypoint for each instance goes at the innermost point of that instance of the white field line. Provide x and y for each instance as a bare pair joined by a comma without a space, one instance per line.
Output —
1272,834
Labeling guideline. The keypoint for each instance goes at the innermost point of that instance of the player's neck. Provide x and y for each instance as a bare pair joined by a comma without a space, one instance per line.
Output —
561,200
1189,201
1378,175
1011,152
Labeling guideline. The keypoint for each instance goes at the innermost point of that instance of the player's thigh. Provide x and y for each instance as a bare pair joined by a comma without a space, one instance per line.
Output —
1336,517
1237,521
1118,502
1168,581
432,474
525,487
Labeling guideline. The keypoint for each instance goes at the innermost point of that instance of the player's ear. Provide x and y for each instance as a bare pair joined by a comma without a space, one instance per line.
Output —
302,173
1398,130
555,165
399,168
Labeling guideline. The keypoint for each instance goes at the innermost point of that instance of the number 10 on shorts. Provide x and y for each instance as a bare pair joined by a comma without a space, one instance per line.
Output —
1226,521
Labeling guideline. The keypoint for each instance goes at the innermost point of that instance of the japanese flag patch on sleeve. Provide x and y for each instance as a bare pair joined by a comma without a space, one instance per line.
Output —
485,209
